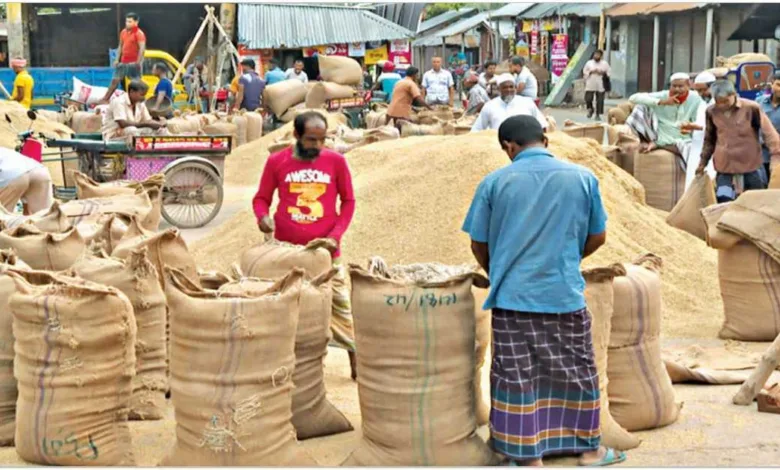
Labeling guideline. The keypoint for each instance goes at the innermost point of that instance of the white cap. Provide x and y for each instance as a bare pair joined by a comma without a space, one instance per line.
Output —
504,77
705,78
680,76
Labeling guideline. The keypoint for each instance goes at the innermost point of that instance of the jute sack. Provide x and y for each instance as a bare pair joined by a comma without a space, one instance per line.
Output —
242,124
435,116
84,122
415,330
281,96
323,91
49,220
224,128
104,233
616,116
484,339
376,119
413,130
137,205
42,250
600,301
686,214
716,237
213,280
166,248
274,259
660,173
312,414
87,188
137,279
628,143
587,131
340,70
254,125
234,407
8,393
640,391
183,126
74,366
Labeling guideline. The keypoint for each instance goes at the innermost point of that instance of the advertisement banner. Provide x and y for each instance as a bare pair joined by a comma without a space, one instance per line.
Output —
558,56
400,52
376,55
534,43
331,49
521,45
357,49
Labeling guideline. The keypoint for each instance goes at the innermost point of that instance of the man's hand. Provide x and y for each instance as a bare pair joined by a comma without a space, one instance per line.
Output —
266,224
670,101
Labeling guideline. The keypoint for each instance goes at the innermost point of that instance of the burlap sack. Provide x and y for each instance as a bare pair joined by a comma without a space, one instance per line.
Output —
49,220
416,337
716,237
736,60
660,173
84,122
413,130
104,233
254,125
628,143
627,107
312,414
74,366
213,280
599,298
8,393
616,116
380,134
340,70
640,391
587,131
281,96
242,127
87,188
274,259
137,279
748,284
234,408
484,336
166,248
42,250
376,119
321,92
224,128
686,214
138,205
183,126
435,116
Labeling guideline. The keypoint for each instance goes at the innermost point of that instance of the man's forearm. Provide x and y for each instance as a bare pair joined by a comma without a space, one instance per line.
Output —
593,243
141,51
481,254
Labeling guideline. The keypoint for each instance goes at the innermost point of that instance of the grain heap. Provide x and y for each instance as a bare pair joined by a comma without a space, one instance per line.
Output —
438,176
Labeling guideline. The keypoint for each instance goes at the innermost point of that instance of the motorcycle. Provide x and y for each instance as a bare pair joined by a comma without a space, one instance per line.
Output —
28,145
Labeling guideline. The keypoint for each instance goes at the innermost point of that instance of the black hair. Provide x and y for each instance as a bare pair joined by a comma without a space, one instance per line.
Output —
159,66
491,63
517,60
302,119
299,61
777,75
133,16
412,71
522,130
274,62
137,85
248,62
597,51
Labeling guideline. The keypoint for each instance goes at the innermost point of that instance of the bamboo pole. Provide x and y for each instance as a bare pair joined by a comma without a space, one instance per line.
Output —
601,29
753,385
185,60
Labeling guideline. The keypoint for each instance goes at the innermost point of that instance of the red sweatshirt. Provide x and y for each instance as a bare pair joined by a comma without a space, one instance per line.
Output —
307,196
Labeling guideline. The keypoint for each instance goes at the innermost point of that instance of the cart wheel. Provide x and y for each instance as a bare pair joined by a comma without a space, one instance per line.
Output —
192,195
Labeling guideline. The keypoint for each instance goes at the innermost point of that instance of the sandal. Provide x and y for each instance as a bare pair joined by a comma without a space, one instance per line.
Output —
611,457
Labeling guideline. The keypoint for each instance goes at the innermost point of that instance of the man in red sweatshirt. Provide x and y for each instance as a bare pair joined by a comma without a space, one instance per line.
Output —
309,179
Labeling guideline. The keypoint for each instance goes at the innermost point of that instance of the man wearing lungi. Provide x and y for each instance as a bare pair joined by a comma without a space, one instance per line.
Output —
531,224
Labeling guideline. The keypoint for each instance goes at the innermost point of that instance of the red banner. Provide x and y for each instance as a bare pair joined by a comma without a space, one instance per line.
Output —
558,54
534,43
400,52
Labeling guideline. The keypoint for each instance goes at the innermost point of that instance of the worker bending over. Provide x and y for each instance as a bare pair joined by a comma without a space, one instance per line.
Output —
127,116
22,178
405,94
309,179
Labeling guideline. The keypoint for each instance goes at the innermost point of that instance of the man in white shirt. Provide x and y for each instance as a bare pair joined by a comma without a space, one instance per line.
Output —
508,104
127,116
23,178
438,86
297,73
525,80
701,85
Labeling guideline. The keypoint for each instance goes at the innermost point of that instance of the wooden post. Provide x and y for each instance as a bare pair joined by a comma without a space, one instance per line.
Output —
211,61
708,39
601,29
656,52
753,385
192,47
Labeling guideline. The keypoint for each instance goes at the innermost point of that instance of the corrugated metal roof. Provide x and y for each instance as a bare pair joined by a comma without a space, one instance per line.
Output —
633,9
759,23
273,26
512,9
455,29
405,14
545,10
439,20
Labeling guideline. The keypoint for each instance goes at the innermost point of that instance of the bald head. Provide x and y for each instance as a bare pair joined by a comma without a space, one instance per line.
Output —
436,62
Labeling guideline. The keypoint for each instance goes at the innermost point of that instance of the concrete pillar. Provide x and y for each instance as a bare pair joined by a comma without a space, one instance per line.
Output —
444,50
608,34
463,43
656,52
18,30
708,39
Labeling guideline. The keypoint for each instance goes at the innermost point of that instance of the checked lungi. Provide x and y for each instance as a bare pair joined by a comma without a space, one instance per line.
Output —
544,385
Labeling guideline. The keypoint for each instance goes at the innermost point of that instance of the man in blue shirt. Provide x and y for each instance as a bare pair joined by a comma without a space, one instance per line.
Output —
388,80
531,224
250,87
770,104
164,88
274,74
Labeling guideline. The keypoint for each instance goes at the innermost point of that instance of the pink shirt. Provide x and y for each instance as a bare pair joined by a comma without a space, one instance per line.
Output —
307,196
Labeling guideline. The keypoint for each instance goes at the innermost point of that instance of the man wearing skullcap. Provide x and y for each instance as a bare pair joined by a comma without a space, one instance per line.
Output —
657,116
506,105
23,83
696,129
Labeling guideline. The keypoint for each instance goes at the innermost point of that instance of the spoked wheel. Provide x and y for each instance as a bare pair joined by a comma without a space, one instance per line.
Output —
192,195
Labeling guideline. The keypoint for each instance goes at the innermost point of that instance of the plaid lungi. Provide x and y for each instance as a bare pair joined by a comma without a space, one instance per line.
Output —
544,385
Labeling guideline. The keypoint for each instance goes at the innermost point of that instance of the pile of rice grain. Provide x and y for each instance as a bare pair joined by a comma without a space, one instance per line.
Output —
412,195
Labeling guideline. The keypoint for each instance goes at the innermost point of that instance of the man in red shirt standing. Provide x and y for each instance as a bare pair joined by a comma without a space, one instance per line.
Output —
309,179
130,56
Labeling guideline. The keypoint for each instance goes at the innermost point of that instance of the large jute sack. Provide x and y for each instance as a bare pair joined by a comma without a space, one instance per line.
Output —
434,116
281,96
376,119
640,391
484,336
75,359
137,205
716,237
103,233
43,250
48,220
274,259
599,298
660,173
87,188
586,131
686,214
616,116
323,91
8,393
413,130
628,143
183,126
254,125
312,414
340,70
627,107
242,127
166,248
84,122
380,134
224,128
415,330
738,59
136,277
232,359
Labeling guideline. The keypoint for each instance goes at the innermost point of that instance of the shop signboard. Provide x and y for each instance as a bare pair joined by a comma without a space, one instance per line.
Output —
558,56
400,52
357,49
376,54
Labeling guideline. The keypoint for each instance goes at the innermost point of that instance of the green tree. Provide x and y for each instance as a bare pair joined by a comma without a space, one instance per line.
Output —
436,9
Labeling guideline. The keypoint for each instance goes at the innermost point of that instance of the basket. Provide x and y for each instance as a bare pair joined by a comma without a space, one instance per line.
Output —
166,108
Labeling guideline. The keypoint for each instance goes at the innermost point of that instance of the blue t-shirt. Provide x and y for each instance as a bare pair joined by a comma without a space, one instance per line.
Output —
253,90
535,216
165,86
274,76
773,113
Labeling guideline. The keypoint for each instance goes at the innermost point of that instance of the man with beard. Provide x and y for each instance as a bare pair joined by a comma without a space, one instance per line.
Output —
506,105
309,179
696,129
